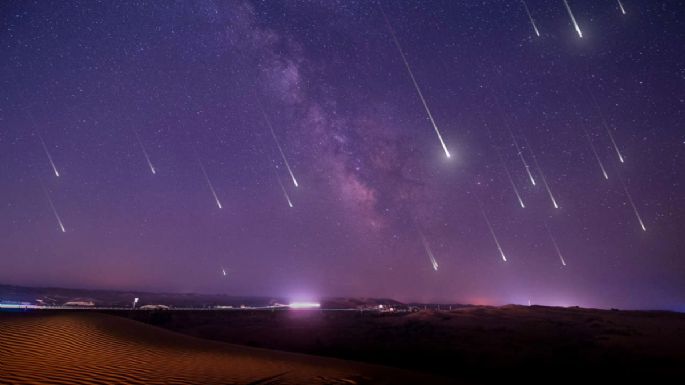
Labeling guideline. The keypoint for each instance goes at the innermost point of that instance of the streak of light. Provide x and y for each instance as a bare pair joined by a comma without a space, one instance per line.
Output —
532,21
429,252
54,210
573,19
632,204
594,150
606,126
494,237
223,271
413,80
556,246
52,163
542,175
620,6
147,157
285,192
519,152
209,183
511,180
278,144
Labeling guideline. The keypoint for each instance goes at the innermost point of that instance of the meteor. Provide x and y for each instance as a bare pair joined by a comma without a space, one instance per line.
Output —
494,237
520,154
542,175
532,21
620,6
54,210
45,147
594,151
511,180
632,203
592,147
285,192
223,271
413,80
429,252
606,126
147,158
573,19
209,183
278,144
526,166
556,247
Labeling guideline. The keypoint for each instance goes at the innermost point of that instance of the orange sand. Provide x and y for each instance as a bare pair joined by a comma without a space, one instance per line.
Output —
91,348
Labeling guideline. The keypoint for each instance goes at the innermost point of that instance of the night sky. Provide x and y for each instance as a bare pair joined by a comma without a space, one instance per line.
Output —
100,85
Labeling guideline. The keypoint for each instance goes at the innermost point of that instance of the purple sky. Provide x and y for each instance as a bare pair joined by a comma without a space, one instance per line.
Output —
189,79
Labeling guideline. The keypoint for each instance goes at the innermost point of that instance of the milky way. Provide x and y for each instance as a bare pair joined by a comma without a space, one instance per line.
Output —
576,146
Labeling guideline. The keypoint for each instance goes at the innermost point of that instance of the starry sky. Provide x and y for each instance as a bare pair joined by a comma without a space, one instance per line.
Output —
98,86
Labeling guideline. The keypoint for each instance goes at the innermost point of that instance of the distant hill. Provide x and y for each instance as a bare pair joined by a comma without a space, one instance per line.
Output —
59,296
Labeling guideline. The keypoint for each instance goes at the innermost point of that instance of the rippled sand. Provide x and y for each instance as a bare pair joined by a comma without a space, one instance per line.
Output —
91,348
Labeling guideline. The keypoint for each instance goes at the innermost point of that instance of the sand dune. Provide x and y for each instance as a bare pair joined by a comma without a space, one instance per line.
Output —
89,348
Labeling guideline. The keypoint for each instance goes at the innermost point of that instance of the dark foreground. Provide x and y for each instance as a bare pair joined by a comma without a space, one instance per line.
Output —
473,344
94,348
514,344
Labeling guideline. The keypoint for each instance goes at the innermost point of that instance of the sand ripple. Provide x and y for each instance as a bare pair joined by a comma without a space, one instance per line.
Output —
89,348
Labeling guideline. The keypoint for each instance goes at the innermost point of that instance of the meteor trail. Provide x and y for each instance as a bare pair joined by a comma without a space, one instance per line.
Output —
45,147
278,144
620,6
606,126
556,247
532,21
492,232
209,183
285,192
592,146
54,210
542,175
429,252
511,180
573,19
142,147
594,151
413,80
223,271
520,153
632,203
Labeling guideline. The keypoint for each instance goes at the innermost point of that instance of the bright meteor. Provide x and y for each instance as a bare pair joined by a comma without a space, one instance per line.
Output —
494,237
573,19
632,204
413,80
142,147
45,147
620,6
429,252
278,144
54,210
285,192
209,183
530,17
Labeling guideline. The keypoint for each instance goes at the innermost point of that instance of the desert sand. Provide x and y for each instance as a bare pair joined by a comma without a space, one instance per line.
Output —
91,348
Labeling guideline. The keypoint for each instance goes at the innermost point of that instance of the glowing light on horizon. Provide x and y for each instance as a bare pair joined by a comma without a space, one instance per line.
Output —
304,305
